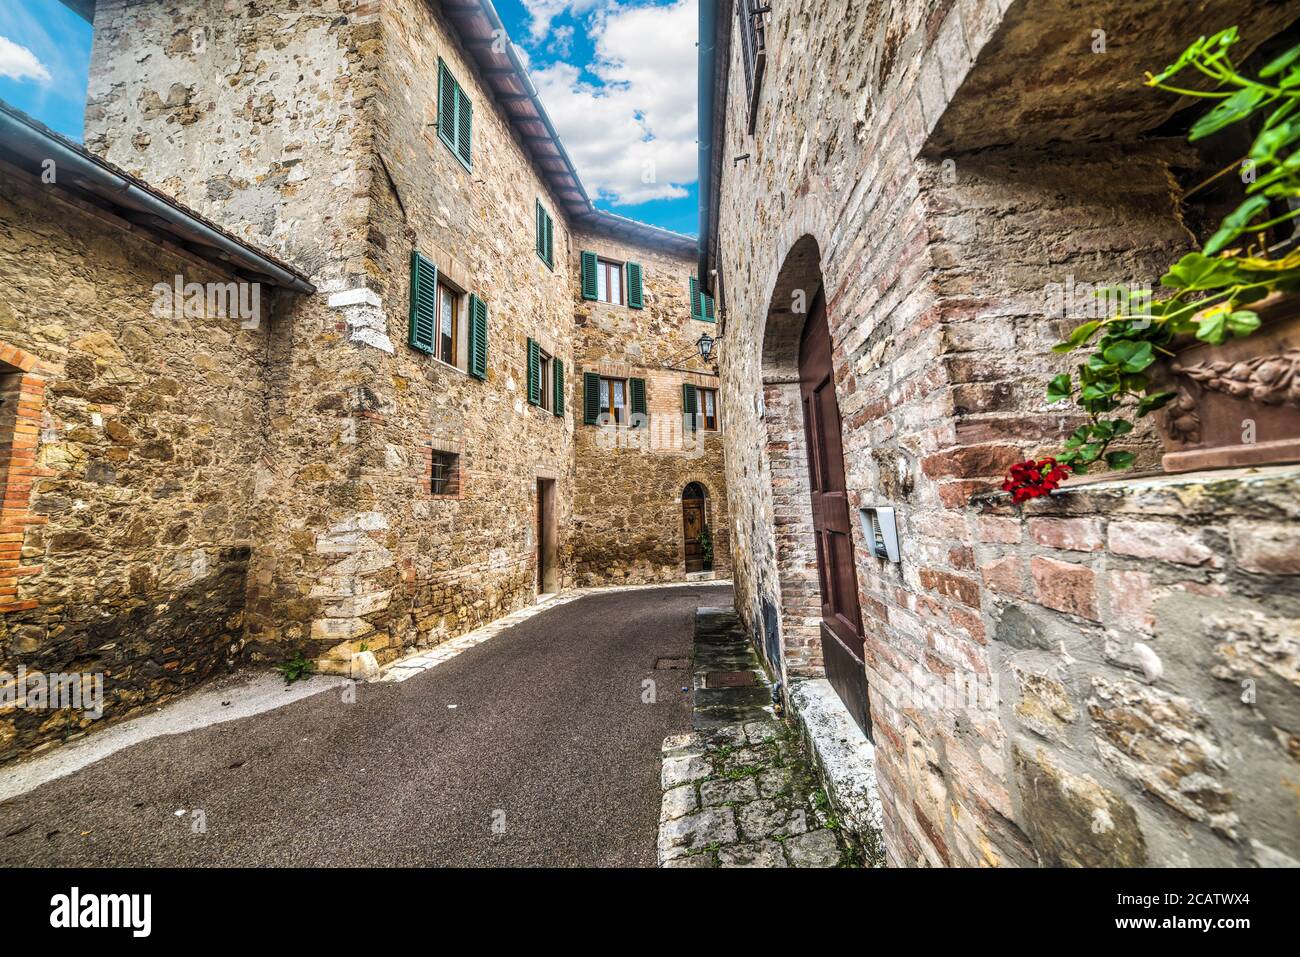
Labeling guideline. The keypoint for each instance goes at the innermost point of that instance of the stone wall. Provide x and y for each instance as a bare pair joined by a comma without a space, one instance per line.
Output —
467,560
261,119
130,509
934,259
309,130
627,523
1144,638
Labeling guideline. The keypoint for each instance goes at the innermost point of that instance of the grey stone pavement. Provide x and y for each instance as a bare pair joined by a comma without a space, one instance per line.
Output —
739,790
532,748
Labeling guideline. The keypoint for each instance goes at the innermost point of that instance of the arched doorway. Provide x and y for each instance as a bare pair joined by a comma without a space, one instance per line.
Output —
694,526
816,615
841,616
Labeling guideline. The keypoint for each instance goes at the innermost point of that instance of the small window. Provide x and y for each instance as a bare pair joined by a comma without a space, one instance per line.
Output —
609,282
546,370
449,324
702,308
444,474
545,236
455,115
753,51
613,401
708,405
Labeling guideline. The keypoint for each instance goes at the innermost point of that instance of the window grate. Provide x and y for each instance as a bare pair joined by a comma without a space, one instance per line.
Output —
753,49
444,473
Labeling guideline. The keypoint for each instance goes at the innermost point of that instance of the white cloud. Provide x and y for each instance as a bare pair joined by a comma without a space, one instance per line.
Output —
542,12
632,135
19,63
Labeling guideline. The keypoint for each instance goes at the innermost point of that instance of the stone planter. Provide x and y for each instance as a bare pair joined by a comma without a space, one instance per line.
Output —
1237,404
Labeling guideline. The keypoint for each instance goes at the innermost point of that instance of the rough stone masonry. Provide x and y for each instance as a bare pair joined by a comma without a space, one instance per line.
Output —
202,493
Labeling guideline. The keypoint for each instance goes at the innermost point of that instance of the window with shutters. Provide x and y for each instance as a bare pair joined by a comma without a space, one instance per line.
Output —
614,402
455,116
702,307
449,325
546,374
447,322
707,403
444,474
753,50
609,282
545,236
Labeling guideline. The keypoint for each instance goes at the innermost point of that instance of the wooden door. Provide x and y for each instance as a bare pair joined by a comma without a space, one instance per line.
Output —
692,525
542,524
841,628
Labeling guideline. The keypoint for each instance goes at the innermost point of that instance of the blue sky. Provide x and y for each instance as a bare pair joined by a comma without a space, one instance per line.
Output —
44,52
617,77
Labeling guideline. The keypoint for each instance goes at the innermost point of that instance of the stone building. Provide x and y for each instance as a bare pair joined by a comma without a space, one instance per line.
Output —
1103,677
399,450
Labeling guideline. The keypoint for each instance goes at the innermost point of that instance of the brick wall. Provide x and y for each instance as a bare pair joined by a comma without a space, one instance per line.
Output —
22,397
862,180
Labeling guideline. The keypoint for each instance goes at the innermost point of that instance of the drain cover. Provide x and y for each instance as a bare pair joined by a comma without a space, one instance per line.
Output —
730,679
670,664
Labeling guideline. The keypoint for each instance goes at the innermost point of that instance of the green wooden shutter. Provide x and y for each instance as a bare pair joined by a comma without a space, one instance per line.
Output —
534,373
695,298
559,386
539,230
446,105
545,235
590,289
634,286
689,405
424,303
590,398
478,337
707,302
464,125
636,388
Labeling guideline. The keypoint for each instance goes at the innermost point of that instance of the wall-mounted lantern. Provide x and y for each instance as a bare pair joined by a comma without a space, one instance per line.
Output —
705,345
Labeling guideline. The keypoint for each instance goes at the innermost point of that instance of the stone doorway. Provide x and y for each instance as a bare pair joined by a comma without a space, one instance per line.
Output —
694,523
799,594
546,537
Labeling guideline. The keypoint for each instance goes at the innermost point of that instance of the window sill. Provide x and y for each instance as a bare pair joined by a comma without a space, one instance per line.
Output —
448,365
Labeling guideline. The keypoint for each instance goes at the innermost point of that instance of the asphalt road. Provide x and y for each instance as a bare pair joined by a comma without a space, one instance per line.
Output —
549,758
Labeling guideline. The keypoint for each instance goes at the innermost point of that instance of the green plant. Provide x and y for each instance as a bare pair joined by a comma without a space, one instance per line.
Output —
296,668
705,541
1212,288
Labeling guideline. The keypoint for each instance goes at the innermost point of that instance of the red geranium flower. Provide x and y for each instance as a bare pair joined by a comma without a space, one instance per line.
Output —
1031,479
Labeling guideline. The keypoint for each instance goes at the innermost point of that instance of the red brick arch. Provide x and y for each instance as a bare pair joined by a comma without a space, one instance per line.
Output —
25,377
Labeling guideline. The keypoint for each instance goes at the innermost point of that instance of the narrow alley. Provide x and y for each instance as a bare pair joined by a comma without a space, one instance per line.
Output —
533,748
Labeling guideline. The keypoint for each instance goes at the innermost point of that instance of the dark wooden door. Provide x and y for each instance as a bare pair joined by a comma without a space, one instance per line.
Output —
841,616
543,522
692,525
